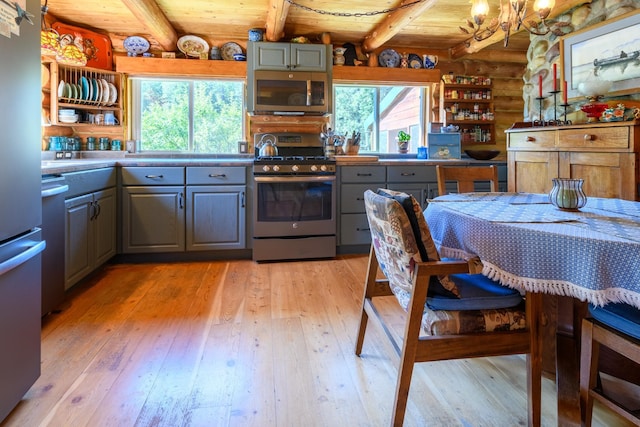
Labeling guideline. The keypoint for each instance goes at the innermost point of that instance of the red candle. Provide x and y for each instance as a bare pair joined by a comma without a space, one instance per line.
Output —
564,92
555,82
540,85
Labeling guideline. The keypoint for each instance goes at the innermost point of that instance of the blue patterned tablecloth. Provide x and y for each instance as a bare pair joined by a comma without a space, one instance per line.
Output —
526,243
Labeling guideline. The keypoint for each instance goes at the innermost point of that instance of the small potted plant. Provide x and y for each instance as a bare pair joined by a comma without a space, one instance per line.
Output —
403,139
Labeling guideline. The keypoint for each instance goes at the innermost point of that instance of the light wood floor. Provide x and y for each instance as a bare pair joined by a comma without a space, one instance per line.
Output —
244,344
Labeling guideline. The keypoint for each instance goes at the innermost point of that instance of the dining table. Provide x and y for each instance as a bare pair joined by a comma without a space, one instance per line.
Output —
580,256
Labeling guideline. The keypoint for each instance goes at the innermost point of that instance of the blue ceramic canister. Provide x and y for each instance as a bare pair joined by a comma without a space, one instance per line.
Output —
256,34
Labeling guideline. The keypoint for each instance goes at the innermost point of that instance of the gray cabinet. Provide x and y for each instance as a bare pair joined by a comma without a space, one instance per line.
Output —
153,209
90,222
418,180
354,181
216,208
288,56
90,233
176,209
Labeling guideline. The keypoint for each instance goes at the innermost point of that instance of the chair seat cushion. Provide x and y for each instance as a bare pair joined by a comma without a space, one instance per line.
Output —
477,292
622,317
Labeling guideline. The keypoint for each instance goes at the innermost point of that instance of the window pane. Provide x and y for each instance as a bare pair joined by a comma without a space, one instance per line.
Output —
354,111
203,116
379,113
164,115
217,124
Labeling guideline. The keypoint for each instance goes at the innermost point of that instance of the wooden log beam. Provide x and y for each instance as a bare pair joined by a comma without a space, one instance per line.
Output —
393,23
153,19
473,46
276,16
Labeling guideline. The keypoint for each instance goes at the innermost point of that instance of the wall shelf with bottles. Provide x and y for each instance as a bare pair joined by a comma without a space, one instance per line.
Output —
467,102
89,92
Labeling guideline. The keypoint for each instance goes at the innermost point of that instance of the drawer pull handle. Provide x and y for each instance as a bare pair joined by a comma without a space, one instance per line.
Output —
364,174
589,137
407,174
359,198
530,139
363,229
217,175
154,176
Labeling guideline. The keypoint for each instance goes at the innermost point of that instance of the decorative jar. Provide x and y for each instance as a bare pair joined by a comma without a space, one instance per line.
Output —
567,194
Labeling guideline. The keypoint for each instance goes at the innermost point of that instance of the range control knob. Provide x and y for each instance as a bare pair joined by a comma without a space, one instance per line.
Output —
266,168
323,168
314,168
276,168
295,168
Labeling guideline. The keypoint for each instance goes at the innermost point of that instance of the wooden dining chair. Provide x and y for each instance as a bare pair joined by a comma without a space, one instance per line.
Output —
616,326
461,315
466,177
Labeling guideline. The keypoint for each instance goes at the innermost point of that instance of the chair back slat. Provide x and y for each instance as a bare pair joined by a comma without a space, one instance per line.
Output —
466,177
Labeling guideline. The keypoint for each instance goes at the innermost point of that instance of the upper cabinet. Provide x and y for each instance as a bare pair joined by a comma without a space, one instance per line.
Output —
288,56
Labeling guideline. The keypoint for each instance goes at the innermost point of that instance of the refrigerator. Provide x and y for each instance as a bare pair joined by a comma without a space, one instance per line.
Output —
21,243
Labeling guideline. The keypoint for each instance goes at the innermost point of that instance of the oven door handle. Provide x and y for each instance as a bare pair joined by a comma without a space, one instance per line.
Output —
282,178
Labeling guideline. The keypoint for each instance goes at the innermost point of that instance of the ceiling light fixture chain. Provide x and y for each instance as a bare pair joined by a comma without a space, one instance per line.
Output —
353,14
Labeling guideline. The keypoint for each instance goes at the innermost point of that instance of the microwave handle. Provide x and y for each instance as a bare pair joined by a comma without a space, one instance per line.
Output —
308,92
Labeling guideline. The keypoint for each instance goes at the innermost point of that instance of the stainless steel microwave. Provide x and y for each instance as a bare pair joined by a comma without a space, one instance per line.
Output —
289,92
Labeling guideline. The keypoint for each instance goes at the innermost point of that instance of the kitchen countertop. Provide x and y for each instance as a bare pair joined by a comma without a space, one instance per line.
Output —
52,167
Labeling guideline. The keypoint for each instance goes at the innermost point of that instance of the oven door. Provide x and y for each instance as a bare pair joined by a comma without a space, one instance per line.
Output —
287,206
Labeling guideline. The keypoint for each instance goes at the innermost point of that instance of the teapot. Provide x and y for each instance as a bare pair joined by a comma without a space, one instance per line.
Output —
267,146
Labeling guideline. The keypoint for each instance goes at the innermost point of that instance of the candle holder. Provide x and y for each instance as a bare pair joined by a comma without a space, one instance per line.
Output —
564,114
555,101
540,122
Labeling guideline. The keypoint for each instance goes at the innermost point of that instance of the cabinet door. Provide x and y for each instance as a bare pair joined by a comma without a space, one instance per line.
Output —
216,217
308,57
610,175
153,219
419,191
104,225
78,231
271,56
532,171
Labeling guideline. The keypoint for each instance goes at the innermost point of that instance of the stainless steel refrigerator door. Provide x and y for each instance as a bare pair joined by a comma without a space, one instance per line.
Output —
19,317
20,131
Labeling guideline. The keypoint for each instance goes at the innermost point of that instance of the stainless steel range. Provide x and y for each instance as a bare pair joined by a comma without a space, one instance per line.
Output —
294,215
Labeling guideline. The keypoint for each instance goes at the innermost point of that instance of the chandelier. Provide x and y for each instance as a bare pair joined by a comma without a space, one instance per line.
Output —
511,19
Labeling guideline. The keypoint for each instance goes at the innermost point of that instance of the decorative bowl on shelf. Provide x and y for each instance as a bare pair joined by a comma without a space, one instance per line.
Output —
594,111
240,56
482,154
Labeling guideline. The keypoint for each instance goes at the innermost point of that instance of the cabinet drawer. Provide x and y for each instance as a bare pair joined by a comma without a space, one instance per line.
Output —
354,229
416,173
352,196
141,175
532,140
590,138
84,182
208,175
363,173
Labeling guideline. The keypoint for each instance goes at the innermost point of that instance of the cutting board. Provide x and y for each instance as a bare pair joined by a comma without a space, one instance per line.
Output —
97,47
356,158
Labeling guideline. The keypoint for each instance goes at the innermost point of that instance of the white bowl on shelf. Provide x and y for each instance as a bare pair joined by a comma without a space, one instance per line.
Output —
68,118
594,87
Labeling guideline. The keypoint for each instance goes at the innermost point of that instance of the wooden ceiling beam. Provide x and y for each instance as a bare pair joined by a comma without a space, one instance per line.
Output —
393,23
473,46
276,18
154,20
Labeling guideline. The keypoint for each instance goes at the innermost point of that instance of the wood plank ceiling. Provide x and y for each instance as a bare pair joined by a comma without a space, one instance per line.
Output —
427,24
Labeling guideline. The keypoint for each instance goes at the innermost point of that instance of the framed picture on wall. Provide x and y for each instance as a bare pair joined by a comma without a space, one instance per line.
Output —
608,51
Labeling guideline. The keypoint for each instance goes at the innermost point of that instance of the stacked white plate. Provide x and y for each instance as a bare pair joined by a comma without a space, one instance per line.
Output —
67,116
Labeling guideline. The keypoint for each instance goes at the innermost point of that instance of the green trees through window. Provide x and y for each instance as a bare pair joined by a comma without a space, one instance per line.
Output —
202,116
